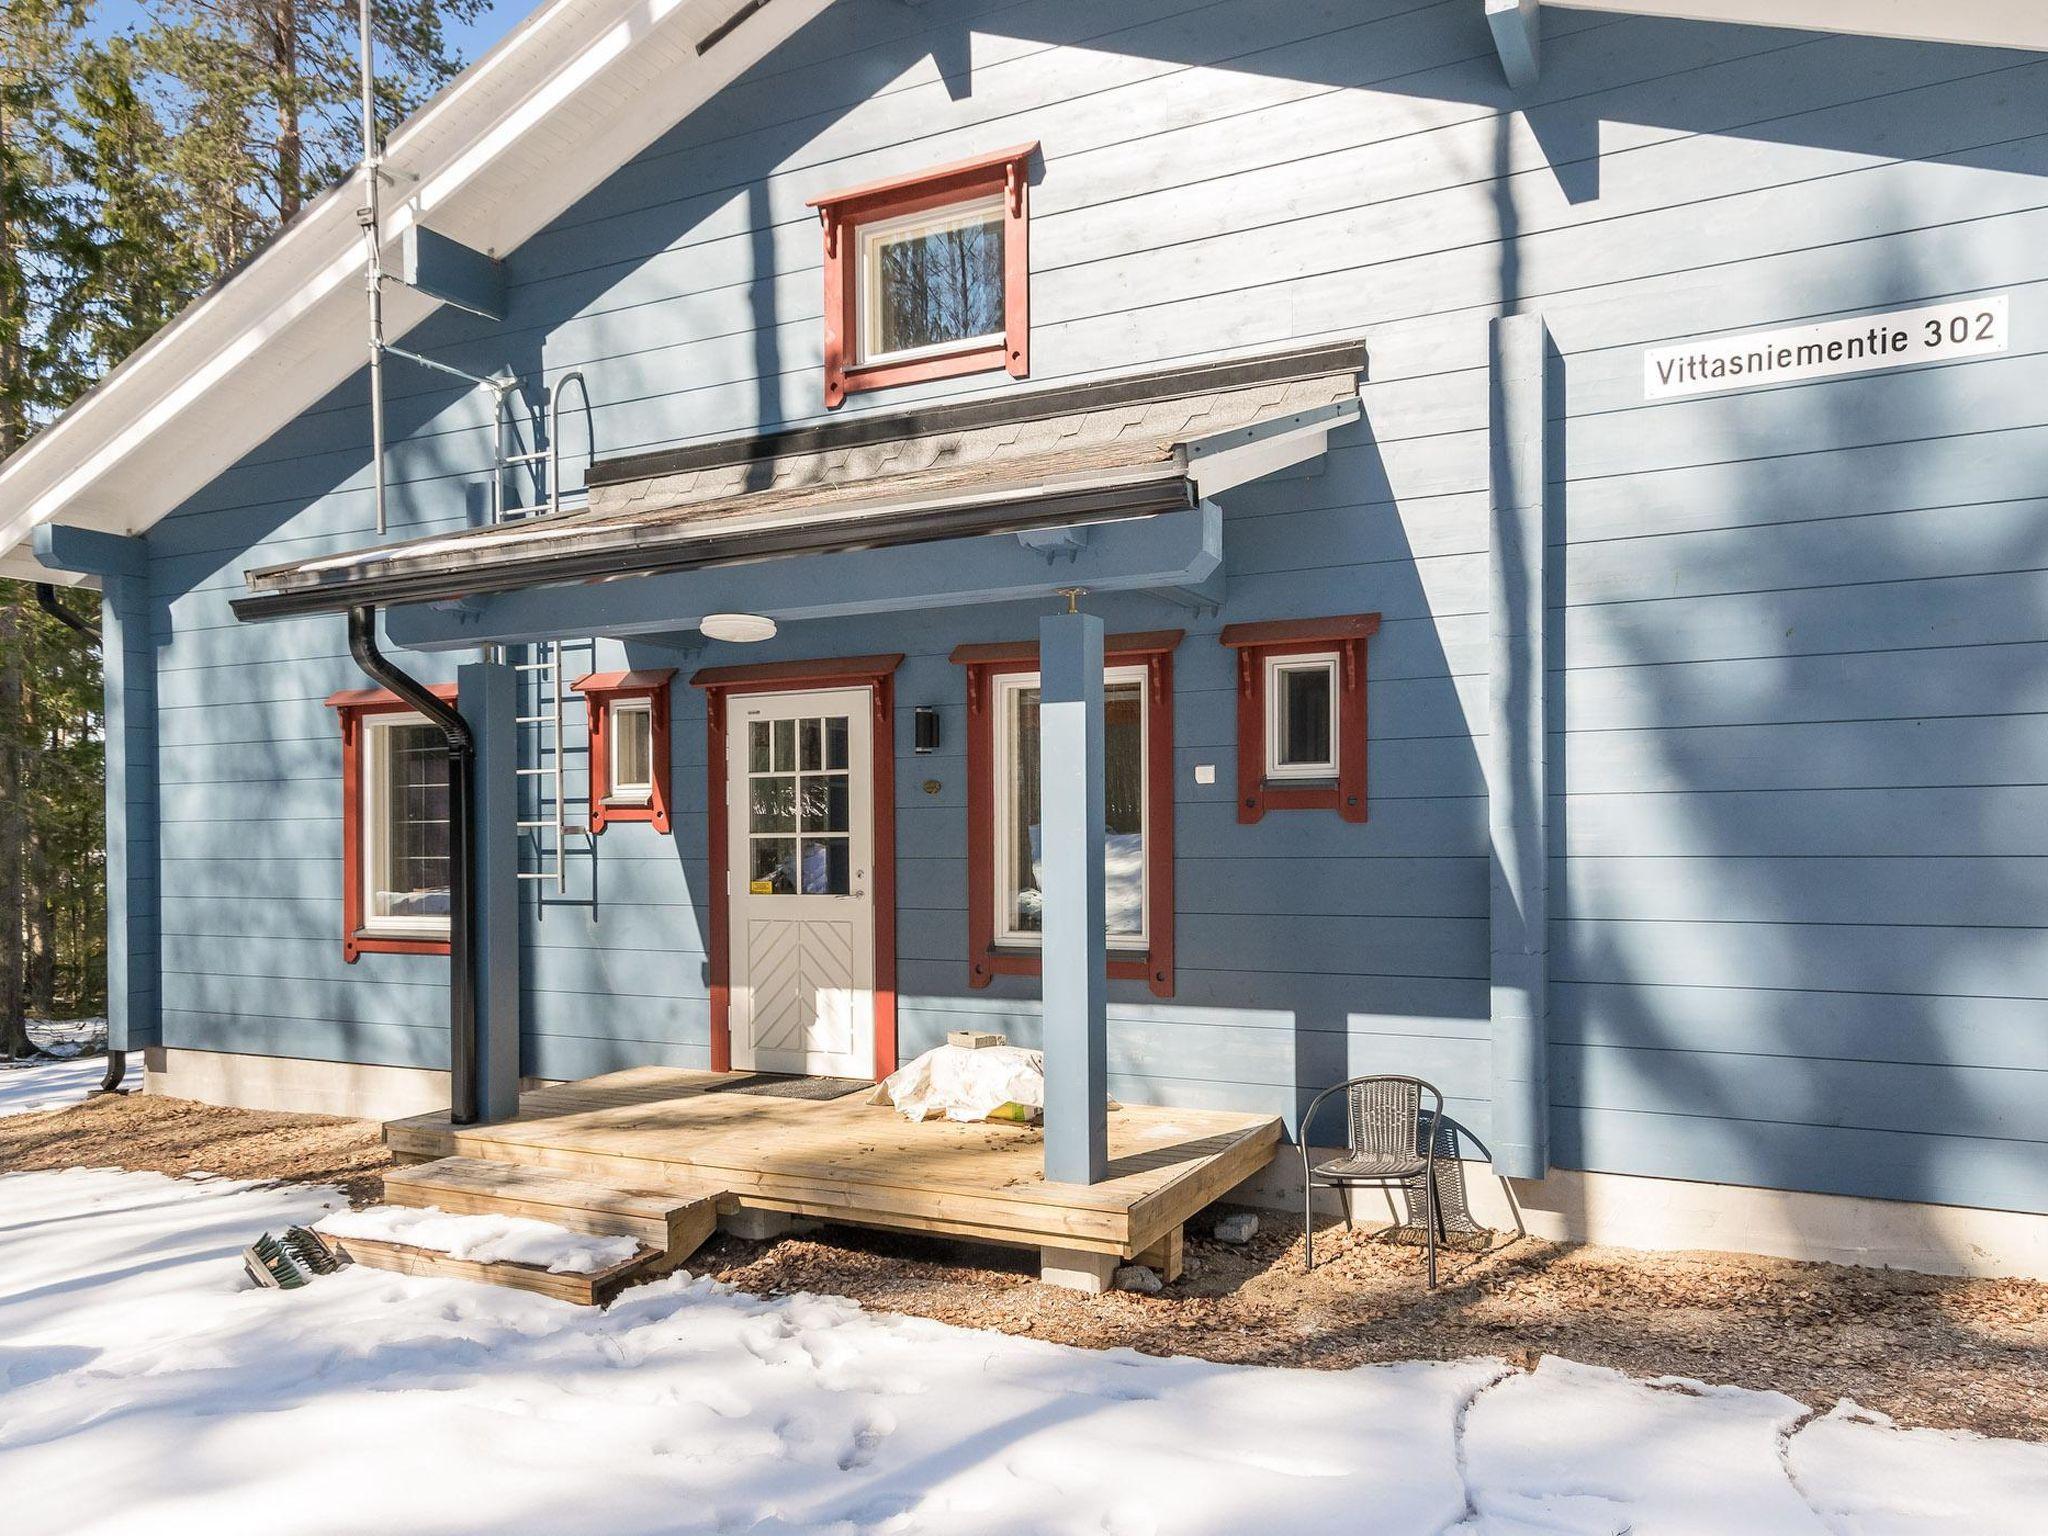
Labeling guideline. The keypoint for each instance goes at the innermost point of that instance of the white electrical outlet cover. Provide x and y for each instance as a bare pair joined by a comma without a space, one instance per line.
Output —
1205,773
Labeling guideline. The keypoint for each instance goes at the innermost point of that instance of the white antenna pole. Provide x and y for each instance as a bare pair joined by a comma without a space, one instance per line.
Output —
369,217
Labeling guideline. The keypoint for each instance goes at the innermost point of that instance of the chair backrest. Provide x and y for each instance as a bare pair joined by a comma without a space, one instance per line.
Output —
1386,1115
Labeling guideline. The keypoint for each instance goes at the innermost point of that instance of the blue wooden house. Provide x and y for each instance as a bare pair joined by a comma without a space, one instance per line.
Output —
1244,544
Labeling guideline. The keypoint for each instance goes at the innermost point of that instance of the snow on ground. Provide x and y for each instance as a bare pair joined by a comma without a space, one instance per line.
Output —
145,1386
42,1084
485,1239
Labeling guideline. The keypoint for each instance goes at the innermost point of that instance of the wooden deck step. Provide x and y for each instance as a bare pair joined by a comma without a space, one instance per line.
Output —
672,1224
589,1290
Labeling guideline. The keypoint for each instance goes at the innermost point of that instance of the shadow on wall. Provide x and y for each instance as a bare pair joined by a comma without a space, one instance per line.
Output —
1798,672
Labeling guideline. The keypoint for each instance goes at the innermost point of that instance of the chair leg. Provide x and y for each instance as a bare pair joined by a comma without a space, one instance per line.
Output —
1308,1224
1430,1218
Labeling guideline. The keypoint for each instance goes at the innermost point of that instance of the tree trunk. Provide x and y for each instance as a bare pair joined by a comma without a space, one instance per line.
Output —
291,152
14,1040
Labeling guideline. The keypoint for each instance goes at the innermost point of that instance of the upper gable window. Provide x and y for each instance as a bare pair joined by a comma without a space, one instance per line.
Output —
928,276
931,282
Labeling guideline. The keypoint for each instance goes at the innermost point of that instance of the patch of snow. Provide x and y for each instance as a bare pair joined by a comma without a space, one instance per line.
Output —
26,1088
484,1239
146,1385
1575,1448
1865,1476
69,1037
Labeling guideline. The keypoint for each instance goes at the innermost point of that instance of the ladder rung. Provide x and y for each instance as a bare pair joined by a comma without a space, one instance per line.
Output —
525,458
533,826
536,874
538,773
534,720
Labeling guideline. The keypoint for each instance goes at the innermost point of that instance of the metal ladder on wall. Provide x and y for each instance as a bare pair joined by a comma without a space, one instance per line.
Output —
544,823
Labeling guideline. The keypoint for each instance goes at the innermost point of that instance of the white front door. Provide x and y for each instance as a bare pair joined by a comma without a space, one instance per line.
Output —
800,834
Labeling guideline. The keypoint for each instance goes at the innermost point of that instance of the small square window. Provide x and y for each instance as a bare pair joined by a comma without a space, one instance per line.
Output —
1301,717
631,729
629,748
927,276
1301,714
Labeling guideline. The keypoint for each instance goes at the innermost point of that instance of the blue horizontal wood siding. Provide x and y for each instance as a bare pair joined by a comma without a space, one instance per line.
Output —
1798,639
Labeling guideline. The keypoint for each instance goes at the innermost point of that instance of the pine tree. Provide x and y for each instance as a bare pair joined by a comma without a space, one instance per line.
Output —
271,93
43,220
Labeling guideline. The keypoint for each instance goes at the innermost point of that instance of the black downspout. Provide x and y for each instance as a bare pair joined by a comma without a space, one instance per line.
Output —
362,644
46,599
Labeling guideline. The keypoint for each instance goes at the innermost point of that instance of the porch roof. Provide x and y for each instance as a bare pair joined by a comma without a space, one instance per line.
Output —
1122,448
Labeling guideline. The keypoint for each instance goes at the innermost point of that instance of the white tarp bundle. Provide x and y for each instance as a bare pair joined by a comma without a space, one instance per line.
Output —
964,1084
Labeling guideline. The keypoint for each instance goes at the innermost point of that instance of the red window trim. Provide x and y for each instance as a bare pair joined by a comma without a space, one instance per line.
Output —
1152,649
351,705
1255,644
600,691
719,684
1004,171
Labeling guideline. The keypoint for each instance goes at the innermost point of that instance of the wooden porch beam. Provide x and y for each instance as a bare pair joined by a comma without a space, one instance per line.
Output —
452,272
1173,550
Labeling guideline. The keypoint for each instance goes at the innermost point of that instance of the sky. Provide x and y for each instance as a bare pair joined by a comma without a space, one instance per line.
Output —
110,16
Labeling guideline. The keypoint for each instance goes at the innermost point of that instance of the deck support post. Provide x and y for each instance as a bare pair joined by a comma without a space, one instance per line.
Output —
488,698
128,679
1518,904
1075,1269
1168,1255
1076,977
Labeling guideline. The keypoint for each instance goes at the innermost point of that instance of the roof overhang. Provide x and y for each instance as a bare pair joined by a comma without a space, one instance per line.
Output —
570,94
1980,23
1014,463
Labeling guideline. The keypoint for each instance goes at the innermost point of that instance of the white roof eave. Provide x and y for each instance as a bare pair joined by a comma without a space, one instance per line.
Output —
573,92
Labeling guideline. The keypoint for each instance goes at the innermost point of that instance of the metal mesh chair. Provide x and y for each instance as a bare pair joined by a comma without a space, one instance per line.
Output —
1389,1139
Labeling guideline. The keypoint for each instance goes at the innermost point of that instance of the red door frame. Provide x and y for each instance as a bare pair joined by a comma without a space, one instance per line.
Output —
876,673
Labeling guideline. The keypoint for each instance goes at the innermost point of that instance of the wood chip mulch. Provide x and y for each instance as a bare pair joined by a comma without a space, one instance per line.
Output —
175,1136
1927,1350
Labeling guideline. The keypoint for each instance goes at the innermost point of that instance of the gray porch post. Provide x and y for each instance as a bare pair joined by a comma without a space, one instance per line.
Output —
487,696
1515,807
1076,980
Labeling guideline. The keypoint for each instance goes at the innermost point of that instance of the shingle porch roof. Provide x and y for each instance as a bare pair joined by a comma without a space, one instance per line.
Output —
1126,447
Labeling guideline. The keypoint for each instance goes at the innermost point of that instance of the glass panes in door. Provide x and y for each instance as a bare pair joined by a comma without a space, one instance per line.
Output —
799,796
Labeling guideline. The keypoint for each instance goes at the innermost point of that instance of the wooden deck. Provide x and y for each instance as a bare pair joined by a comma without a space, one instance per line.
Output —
659,1128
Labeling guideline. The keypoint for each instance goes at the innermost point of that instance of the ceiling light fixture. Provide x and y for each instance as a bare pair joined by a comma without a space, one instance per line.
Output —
741,628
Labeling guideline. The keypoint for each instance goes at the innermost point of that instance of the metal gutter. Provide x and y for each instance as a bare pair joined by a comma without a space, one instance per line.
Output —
462,981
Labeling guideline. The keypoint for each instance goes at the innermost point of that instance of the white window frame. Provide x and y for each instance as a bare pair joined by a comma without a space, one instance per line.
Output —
929,221
1276,709
1007,686
372,827
617,791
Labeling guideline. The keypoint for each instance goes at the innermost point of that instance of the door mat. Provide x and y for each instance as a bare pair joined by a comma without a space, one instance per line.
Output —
783,1085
